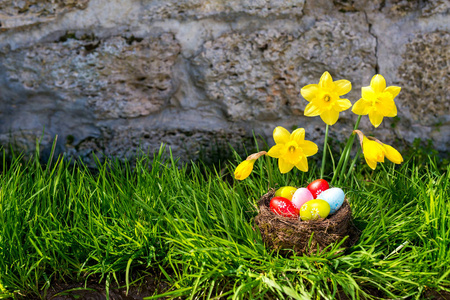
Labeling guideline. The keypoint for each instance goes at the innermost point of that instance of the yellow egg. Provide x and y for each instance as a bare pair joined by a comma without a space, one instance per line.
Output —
314,209
286,192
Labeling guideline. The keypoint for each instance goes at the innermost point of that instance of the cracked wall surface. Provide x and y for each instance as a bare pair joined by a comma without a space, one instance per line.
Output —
114,76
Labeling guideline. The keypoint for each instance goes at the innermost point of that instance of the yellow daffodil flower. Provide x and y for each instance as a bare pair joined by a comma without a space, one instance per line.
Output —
245,168
324,98
375,151
377,100
291,149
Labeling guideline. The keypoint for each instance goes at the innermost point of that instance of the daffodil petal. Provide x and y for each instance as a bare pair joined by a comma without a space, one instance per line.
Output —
342,87
392,154
393,90
361,107
298,135
342,104
375,118
368,94
277,151
284,166
244,169
326,81
303,164
329,116
372,164
281,135
311,110
309,92
378,83
309,148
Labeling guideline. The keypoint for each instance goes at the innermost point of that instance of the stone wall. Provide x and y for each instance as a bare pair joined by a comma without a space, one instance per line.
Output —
113,76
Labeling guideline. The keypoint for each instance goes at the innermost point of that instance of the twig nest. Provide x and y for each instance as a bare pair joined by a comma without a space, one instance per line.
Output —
288,234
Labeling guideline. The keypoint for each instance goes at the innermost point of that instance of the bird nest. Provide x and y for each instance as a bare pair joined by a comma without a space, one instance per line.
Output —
304,237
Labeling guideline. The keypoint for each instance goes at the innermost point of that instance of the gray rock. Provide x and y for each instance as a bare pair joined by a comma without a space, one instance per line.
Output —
16,14
120,77
420,8
224,9
187,145
424,75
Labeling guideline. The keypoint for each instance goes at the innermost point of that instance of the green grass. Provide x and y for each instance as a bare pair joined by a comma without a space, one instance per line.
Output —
194,227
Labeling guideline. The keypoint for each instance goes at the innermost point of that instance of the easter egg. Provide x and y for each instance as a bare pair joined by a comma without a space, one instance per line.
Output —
283,207
285,192
301,196
334,197
314,209
318,186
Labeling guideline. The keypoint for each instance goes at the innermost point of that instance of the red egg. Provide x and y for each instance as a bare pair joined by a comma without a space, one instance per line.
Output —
283,207
318,186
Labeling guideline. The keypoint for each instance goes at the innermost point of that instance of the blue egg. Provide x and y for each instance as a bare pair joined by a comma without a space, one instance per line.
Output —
335,198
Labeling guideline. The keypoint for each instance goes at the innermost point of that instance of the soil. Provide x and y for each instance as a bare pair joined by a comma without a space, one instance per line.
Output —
97,291
150,285
436,295
153,285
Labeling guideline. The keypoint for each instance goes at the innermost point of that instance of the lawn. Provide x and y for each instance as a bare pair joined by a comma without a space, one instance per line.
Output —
190,227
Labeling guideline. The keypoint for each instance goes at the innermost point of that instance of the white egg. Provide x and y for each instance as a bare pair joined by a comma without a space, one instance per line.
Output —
334,196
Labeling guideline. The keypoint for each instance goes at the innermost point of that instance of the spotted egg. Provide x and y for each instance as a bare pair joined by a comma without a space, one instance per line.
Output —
314,209
334,197
283,207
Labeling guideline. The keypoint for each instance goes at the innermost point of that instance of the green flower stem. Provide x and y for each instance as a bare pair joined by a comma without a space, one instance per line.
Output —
345,154
269,171
350,170
322,169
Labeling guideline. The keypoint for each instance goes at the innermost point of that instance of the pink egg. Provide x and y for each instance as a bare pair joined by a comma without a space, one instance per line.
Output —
301,196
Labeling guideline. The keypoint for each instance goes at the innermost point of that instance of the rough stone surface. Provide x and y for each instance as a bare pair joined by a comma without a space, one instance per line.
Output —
226,9
113,76
433,7
425,74
131,141
23,13
258,75
120,77
422,8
